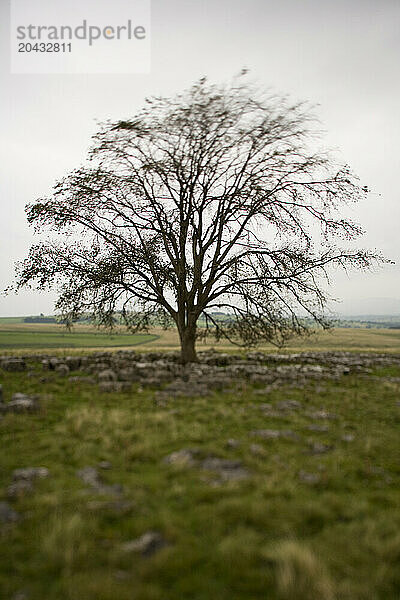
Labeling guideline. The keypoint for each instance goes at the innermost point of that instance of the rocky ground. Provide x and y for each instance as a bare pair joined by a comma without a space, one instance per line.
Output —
135,438
117,371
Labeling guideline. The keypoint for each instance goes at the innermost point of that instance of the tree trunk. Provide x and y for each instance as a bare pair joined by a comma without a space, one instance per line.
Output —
188,342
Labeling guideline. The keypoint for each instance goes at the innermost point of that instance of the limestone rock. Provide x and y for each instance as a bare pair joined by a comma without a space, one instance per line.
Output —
20,403
231,443
62,369
73,362
288,405
7,514
19,489
318,428
274,434
310,478
107,375
13,364
91,477
227,470
147,544
186,457
114,386
30,473
322,414
82,379
319,448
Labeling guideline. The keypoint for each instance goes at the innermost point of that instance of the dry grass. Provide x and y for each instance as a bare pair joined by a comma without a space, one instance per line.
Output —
300,574
339,339
65,543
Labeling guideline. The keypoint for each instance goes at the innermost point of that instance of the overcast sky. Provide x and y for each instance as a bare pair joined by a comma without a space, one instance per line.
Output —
341,55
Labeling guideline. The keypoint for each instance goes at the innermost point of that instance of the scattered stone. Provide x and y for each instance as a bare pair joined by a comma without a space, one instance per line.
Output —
97,367
7,514
267,434
62,369
91,477
320,448
23,479
311,478
146,545
256,449
266,406
73,362
318,428
13,364
231,443
322,414
20,403
161,399
256,356
105,464
263,392
107,375
114,386
274,434
217,359
30,473
19,489
183,458
348,437
288,405
319,389
269,411
154,382
53,362
128,374
227,470
82,379
187,388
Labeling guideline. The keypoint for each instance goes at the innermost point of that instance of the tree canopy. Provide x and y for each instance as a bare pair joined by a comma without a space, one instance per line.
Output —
214,200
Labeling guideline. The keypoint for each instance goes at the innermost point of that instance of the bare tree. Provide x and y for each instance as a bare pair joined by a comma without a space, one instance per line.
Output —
211,201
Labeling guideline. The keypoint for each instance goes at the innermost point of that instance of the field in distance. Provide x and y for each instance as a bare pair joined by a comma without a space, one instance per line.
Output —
18,336
33,336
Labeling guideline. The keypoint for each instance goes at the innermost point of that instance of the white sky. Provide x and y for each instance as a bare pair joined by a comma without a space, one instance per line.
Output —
342,55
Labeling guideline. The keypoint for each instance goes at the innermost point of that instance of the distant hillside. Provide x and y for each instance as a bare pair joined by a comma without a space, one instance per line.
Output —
11,320
369,321
40,319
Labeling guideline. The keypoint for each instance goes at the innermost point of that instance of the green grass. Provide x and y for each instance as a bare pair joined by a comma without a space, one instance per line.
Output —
25,337
61,338
271,536
350,340
11,320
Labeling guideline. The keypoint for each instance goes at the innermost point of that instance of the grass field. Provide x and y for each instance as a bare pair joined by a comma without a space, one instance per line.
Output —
32,336
273,536
22,337
11,320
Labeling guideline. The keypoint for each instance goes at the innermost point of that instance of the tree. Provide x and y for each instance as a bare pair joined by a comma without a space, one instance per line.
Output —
209,201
